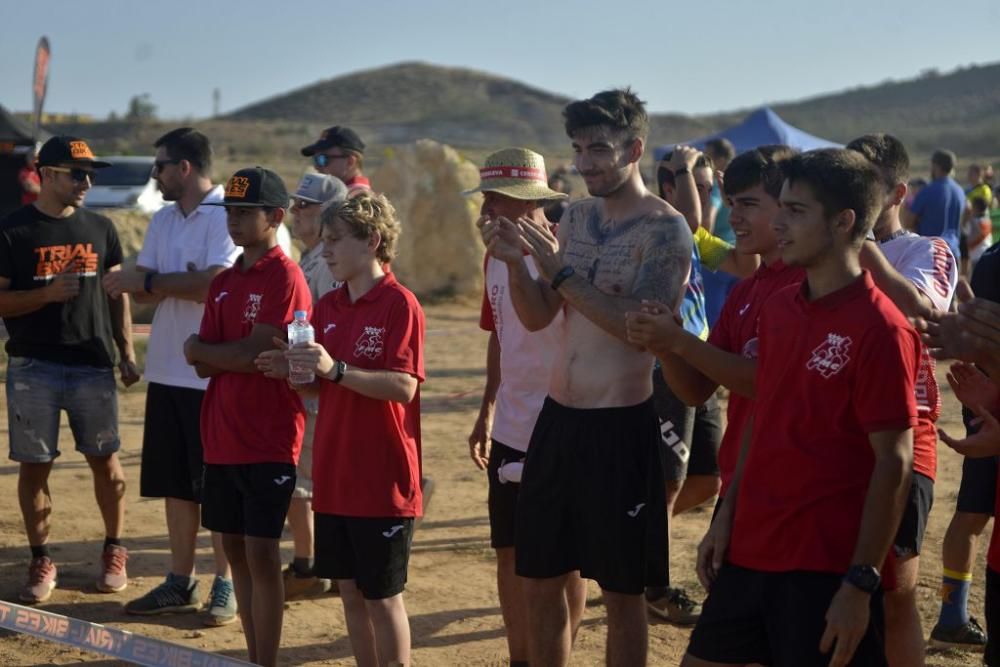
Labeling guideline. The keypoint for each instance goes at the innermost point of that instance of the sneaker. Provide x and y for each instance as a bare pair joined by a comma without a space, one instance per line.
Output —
41,581
297,586
675,606
221,606
968,636
170,597
113,577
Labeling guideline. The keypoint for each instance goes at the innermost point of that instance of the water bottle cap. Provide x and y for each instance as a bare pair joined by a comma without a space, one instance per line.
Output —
300,314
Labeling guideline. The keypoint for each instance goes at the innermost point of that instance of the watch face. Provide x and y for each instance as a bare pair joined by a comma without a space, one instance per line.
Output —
864,577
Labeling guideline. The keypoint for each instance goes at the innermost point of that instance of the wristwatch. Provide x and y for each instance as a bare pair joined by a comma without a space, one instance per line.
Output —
682,170
863,577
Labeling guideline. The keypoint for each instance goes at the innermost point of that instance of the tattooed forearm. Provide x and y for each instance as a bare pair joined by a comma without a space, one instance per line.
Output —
665,264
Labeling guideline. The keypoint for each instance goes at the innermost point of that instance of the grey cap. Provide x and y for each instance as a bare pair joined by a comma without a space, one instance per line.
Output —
320,188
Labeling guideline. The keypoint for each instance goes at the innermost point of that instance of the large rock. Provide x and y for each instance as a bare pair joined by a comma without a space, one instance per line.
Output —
440,251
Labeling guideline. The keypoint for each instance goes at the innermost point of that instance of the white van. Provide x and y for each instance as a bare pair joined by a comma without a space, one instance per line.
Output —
127,183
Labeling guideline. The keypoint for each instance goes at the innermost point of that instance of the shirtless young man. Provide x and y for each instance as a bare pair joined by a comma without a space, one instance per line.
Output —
591,494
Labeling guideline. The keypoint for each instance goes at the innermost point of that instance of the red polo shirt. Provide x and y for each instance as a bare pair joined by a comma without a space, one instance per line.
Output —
366,452
736,332
246,417
830,372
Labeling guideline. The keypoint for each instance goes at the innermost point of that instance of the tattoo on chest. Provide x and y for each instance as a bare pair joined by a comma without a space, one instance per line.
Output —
645,257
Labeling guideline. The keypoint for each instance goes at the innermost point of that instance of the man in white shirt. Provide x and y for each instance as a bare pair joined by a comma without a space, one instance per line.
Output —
186,245
517,360
316,193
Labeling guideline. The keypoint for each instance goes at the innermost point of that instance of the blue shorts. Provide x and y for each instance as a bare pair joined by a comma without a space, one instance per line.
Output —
37,391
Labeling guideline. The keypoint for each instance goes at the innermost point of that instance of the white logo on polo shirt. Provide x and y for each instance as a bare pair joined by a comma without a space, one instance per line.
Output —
281,480
831,355
370,343
329,326
222,295
392,531
635,512
744,309
252,307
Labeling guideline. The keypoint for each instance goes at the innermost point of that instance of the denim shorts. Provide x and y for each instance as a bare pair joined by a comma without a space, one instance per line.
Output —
37,391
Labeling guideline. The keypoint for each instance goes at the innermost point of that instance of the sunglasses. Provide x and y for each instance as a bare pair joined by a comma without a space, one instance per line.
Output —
77,174
160,164
322,159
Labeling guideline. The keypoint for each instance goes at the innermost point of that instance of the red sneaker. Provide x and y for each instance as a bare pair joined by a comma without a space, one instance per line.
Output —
41,580
113,577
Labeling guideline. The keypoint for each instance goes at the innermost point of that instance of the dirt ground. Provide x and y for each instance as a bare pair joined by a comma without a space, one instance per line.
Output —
451,595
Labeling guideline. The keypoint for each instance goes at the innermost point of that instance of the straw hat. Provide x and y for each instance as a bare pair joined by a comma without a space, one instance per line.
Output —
517,173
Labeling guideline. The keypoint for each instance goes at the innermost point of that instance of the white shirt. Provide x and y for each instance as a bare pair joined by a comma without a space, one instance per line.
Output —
175,243
927,262
317,273
525,361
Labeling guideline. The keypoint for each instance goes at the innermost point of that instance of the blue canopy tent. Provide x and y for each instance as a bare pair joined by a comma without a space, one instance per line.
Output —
760,128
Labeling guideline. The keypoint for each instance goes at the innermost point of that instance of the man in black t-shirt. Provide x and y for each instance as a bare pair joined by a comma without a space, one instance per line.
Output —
63,332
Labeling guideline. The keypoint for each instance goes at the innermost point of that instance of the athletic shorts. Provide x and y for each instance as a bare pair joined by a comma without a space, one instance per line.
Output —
689,437
172,464
248,499
911,531
37,391
374,552
991,656
977,491
502,500
592,498
776,619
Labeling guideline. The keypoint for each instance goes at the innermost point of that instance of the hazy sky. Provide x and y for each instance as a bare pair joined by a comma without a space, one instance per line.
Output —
692,57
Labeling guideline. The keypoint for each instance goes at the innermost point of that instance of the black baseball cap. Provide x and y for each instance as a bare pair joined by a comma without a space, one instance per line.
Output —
341,137
254,186
68,150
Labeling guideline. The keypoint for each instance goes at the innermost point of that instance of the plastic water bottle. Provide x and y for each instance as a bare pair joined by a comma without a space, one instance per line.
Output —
300,332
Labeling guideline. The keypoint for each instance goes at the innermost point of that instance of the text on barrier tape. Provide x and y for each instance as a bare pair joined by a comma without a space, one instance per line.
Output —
120,644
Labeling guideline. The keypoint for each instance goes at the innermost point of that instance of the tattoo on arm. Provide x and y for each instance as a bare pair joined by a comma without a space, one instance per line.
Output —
666,263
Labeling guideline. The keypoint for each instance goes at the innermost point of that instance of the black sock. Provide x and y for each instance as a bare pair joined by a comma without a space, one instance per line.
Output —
303,566
41,551
112,541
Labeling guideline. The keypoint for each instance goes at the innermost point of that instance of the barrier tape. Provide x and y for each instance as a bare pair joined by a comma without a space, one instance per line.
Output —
111,642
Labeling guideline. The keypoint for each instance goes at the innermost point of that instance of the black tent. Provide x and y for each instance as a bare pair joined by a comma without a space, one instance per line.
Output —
15,143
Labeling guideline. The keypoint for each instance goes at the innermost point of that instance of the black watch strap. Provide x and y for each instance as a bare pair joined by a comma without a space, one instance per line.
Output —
682,170
339,369
863,577
147,282
564,273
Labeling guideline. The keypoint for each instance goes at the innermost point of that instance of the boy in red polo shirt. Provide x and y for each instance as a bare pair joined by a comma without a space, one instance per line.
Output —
791,558
694,368
251,426
368,361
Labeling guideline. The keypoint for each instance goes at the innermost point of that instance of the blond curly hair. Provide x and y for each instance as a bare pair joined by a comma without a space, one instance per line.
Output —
365,214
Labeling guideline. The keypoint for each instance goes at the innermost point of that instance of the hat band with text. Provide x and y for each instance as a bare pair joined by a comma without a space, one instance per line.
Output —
523,173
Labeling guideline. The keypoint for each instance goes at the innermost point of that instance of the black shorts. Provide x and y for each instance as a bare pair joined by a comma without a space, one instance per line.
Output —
776,619
502,501
911,531
991,656
592,498
374,552
247,499
171,443
689,437
977,492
